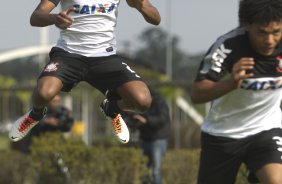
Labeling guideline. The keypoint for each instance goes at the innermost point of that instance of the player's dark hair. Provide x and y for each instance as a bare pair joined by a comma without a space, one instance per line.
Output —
260,11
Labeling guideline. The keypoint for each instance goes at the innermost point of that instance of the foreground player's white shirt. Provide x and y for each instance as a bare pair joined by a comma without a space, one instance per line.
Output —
92,33
254,107
245,112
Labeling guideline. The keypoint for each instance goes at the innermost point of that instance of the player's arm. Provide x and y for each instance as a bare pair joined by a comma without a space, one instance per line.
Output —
208,90
149,12
42,15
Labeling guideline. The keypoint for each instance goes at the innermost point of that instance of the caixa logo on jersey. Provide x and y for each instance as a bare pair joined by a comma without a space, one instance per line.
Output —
94,9
218,58
262,84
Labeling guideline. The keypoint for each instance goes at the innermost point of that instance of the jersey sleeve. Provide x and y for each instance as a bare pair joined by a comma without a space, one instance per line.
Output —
216,64
56,2
221,56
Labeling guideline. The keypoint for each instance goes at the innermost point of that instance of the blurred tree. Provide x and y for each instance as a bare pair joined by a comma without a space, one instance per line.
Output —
7,83
153,54
187,68
23,70
154,50
24,97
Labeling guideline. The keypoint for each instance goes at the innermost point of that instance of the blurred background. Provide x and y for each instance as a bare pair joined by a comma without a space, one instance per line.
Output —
166,56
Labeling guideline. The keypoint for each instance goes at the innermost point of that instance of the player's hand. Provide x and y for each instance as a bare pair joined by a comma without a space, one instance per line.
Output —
52,121
139,118
63,20
239,70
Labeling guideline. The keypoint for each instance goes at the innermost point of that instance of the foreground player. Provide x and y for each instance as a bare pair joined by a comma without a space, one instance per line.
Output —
242,75
86,51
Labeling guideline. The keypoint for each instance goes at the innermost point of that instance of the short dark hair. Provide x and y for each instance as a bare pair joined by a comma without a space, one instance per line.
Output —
260,11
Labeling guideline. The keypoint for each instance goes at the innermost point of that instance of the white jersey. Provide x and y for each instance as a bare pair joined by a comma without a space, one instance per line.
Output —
254,107
92,33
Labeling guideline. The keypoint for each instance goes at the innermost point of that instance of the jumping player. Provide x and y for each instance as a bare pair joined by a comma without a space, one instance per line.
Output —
86,51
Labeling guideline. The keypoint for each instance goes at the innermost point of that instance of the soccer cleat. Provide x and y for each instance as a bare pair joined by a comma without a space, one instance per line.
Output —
104,106
21,127
119,127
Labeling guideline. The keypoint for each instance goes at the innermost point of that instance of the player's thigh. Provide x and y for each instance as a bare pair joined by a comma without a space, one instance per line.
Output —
216,167
69,68
113,77
220,160
265,156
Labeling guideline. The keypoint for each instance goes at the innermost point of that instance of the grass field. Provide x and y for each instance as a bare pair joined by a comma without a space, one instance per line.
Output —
4,141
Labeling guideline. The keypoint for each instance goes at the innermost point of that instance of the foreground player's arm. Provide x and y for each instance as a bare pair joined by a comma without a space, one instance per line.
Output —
207,90
42,17
149,12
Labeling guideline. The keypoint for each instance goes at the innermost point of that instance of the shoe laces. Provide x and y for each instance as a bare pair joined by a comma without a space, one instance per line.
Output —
25,124
117,124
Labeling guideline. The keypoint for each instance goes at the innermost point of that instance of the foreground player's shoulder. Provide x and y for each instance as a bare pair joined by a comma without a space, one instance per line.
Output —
228,45
230,40
220,57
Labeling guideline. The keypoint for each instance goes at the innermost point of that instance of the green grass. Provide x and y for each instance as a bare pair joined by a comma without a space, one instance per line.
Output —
4,141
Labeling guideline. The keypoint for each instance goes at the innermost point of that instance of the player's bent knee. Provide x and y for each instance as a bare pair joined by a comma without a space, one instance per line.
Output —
46,94
144,103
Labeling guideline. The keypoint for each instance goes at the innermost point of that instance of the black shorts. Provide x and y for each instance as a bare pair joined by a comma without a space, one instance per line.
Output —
103,73
222,157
